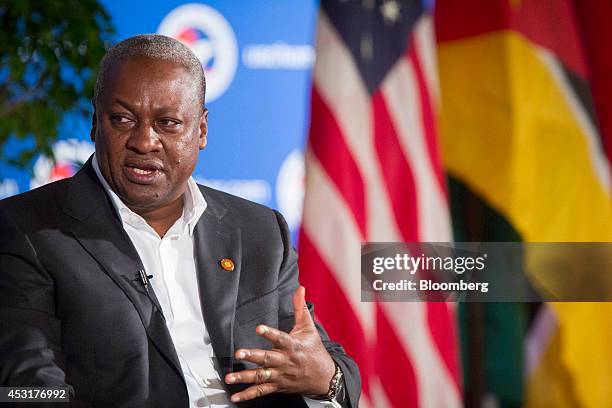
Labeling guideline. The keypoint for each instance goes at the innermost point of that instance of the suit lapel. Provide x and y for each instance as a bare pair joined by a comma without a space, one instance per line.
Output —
217,238
100,232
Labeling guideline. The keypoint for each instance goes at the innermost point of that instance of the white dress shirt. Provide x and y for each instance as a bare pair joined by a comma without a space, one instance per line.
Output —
171,262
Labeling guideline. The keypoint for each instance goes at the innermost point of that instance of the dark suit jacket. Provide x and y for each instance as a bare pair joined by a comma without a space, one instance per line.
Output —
72,311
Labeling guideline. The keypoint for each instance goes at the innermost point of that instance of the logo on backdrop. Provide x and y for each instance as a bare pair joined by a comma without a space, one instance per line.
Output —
70,155
290,188
278,55
211,38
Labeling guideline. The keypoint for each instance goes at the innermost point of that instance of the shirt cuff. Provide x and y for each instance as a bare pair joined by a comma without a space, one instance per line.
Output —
312,403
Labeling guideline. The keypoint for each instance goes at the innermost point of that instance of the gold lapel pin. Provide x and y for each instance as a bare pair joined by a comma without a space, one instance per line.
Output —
227,264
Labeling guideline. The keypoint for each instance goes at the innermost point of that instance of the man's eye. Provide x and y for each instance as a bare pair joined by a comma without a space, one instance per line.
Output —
168,122
120,119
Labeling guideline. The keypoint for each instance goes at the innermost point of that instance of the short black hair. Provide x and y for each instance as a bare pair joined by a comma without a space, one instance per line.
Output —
153,46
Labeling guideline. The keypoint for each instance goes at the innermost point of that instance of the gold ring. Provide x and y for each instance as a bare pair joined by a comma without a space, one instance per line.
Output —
268,374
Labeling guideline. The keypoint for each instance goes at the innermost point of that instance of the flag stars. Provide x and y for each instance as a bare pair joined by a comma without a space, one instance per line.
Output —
390,11
366,47
367,4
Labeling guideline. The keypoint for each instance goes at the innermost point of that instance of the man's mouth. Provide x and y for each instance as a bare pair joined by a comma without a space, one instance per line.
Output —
142,173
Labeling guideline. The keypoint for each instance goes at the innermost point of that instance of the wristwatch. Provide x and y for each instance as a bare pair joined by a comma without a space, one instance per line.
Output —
336,387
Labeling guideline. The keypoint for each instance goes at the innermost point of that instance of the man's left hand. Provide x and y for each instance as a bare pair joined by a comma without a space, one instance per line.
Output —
298,363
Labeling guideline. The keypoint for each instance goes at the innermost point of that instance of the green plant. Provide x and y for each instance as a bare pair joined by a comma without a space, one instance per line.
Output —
48,54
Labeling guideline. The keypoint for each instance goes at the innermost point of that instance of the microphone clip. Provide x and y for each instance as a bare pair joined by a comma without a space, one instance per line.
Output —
144,278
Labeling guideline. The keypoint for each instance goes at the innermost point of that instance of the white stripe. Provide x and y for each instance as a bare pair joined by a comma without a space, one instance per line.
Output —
332,230
339,83
425,42
378,394
434,383
364,402
598,157
401,96
538,338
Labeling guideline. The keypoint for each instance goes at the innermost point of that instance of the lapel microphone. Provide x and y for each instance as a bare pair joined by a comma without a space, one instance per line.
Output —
144,278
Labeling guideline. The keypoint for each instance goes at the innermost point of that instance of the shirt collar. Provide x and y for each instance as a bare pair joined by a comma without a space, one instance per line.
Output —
193,207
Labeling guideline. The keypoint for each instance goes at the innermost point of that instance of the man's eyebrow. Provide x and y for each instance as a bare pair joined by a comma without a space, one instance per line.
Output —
162,109
123,103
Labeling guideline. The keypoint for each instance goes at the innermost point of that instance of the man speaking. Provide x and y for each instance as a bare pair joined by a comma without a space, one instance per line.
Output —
135,287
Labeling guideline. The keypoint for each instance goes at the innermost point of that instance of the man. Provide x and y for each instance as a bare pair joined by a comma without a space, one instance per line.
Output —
134,286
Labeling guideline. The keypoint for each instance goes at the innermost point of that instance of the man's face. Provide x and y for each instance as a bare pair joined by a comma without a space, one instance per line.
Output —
148,128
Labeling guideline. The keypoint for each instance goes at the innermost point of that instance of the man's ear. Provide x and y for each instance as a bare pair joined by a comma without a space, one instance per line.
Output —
94,125
203,128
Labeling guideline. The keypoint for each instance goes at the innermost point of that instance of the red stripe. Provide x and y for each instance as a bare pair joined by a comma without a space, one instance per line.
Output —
551,24
393,365
594,23
443,332
428,119
333,309
329,146
398,178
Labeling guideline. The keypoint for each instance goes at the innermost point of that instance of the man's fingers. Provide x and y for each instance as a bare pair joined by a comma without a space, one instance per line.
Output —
264,358
300,310
255,391
253,376
278,338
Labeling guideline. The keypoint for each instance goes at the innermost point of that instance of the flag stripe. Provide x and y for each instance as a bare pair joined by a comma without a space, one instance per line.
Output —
399,90
429,126
443,333
539,337
335,236
325,292
391,361
329,146
536,20
599,160
425,48
397,175
409,320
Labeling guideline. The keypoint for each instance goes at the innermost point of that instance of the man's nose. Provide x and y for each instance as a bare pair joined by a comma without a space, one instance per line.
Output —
144,139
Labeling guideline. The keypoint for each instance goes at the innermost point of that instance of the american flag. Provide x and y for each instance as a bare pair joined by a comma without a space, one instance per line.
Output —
373,173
